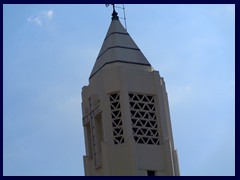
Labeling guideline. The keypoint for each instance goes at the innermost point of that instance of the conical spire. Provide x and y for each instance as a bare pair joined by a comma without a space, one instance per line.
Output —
118,46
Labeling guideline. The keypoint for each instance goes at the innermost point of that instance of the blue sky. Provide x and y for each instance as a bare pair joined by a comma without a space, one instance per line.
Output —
49,52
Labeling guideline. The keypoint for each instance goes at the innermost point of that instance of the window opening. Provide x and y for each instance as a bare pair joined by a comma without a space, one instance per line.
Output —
116,118
151,173
143,117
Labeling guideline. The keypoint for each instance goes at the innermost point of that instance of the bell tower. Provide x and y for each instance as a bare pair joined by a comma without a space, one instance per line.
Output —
125,111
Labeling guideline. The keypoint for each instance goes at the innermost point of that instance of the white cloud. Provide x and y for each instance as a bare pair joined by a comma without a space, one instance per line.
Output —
42,18
35,20
48,14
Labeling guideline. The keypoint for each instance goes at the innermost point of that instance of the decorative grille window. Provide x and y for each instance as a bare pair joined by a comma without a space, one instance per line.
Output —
116,118
143,117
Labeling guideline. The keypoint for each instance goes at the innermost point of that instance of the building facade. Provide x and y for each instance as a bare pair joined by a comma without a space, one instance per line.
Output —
125,110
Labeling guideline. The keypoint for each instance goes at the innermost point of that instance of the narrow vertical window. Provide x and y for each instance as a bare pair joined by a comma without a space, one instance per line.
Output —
94,129
89,140
116,118
99,130
99,138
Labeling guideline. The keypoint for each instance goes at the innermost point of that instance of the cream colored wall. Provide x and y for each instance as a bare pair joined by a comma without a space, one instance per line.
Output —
130,158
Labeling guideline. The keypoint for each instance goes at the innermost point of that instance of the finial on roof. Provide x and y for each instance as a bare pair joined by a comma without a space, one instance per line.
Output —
114,14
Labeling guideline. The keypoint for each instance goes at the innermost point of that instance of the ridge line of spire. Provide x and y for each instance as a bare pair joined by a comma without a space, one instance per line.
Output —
116,33
123,47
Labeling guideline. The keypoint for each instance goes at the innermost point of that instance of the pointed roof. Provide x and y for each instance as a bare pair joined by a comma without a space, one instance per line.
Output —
118,46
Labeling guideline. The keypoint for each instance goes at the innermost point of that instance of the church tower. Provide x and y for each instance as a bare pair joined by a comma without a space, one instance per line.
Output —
125,110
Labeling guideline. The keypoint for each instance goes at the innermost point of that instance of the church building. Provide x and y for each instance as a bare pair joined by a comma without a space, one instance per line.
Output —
125,109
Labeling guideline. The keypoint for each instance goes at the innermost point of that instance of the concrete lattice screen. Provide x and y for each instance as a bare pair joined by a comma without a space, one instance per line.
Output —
116,118
143,117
